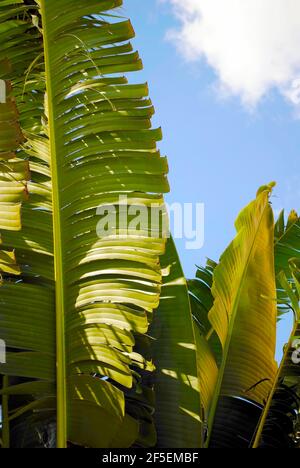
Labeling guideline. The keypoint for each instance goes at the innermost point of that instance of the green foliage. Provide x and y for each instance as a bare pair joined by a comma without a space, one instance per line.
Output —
74,309
178,410
263,411
108,345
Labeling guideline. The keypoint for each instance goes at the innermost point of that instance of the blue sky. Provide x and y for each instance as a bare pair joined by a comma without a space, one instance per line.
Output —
219,152
219,149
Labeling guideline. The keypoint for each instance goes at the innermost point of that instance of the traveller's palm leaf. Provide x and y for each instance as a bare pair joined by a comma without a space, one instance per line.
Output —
178,409
82,298
244,317
277,424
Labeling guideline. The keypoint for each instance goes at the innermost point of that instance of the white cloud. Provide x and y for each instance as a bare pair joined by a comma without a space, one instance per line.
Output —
253,45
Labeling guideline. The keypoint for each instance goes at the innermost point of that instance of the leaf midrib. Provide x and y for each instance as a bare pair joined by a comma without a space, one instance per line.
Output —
58,248
230,331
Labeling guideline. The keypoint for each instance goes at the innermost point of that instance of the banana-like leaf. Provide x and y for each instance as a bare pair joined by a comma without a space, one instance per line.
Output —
178,408
277,425
14,173
287,241
84,298
244,311
235,422
209,350
287,246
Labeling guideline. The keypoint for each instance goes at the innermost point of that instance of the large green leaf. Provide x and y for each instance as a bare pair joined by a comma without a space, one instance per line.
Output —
209,350
14,173
83,300
287,241
277,424
244,311
287,247
178,409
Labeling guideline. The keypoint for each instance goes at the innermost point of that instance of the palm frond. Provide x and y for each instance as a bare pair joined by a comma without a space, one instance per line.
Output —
73,321
287,247
209,350
244,311
278,423
178,410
